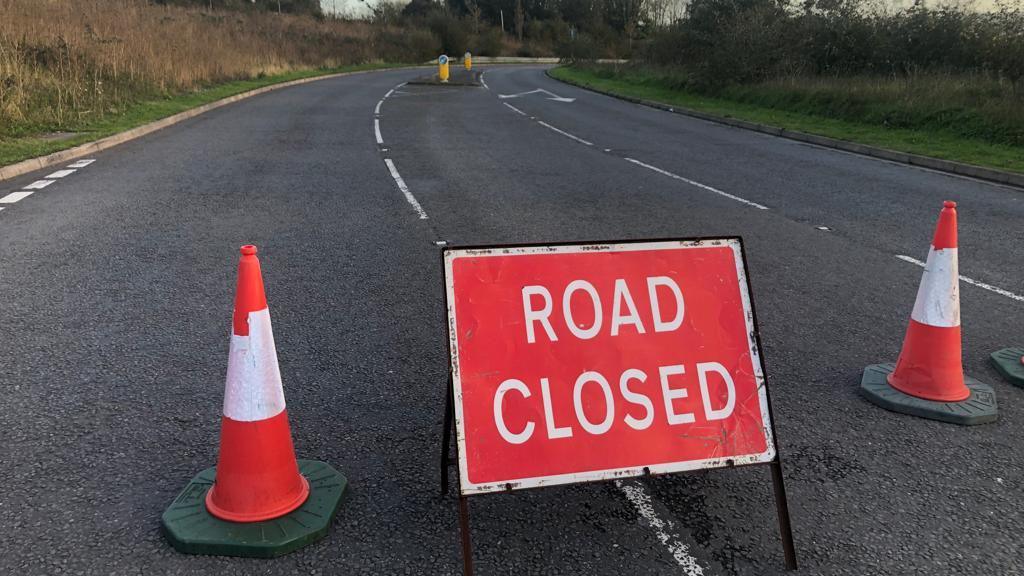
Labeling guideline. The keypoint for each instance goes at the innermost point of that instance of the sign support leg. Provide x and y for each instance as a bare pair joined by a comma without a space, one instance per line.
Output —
446,435
782,508
467,548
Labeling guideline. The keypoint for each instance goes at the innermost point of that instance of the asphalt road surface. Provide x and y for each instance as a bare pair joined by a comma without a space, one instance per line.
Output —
116,287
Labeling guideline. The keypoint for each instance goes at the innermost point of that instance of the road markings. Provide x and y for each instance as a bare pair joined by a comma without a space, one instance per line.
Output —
551,95
61,173
39,184
15,196
563,133
376,130
390,92
81,163
405,189
376,109
636,494
486,87
970,281
517,110
697,184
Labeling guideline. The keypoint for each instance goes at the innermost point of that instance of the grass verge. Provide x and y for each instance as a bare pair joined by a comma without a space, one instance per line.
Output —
17,149
934,143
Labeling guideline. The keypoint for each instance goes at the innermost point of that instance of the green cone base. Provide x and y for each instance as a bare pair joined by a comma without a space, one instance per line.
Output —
979,408
1007,362
191,529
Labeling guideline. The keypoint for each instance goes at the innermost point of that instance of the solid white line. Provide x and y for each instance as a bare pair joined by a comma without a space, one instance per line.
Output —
39,184
514,108
376,131
970,281
697,184
376,109
636,494
405,189
563,133
81,163
61,173
14,197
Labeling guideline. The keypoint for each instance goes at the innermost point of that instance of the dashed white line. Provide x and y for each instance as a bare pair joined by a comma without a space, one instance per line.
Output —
376,130
405,189
390,92
61,173
514,108
697,184
376,109
486,87
636,494
970,281
564,133
15,196
81,163
39,184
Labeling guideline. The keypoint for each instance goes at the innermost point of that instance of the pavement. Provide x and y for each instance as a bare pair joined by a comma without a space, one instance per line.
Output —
117,284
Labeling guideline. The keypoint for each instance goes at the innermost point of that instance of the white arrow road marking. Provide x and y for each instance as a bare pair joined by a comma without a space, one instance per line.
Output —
551,96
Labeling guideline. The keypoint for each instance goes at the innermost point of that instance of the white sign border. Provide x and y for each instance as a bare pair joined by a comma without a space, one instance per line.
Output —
469,488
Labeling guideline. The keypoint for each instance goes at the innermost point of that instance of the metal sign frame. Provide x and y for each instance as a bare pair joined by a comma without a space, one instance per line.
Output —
453,410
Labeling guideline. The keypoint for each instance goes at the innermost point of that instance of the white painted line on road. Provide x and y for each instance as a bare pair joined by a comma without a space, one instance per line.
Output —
970,281
563,133
61,173
697,184
81,163
376,130
376,109
636,494
15,196
405,189
390,92
514,108
39,184
486,87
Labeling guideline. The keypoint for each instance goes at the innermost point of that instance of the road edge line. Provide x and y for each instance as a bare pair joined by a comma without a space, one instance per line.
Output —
989,175
49,160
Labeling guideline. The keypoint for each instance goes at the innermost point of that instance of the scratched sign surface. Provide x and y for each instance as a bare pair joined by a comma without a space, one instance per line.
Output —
588,362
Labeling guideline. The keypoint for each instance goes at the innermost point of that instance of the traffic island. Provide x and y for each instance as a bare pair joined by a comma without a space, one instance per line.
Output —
457,77
191,528
1010,363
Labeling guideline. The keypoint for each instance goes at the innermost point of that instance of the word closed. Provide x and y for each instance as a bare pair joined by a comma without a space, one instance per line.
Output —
580,363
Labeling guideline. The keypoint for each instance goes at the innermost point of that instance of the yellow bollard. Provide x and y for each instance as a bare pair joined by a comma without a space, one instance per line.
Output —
442,68
468,61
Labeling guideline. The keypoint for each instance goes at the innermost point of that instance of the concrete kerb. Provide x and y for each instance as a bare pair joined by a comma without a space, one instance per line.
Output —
41,162
949,166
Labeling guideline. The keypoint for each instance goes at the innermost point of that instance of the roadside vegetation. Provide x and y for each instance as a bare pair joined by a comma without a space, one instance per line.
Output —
946,82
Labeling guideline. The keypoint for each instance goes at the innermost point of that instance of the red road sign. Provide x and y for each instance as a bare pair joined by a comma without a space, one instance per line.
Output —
573,363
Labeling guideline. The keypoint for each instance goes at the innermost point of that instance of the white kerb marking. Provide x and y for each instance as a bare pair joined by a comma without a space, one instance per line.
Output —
680,552
563,133
967,280
253,389
517,110
697,184
61,173
39,184
14,197
81,163
405,189
938,296
376,130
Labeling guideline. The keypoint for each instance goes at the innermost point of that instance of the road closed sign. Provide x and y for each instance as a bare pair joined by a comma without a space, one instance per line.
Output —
575,363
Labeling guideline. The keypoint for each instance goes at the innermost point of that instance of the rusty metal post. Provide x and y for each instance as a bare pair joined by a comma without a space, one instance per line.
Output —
782,508
446,435
467,547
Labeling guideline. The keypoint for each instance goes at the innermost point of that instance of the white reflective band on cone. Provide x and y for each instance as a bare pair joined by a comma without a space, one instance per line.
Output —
253,390
938,297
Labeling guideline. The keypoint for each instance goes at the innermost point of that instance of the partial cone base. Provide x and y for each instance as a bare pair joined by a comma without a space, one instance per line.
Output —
1007,362
979,408
191,529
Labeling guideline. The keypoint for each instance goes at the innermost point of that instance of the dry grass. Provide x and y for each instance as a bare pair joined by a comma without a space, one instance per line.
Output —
64,63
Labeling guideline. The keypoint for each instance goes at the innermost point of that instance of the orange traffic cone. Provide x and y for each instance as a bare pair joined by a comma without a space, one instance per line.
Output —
928,379
257,480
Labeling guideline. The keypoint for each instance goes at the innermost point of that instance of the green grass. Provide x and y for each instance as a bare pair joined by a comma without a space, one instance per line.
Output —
937,143
17,149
